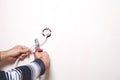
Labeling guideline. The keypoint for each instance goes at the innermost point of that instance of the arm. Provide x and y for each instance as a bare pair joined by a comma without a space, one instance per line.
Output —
28,72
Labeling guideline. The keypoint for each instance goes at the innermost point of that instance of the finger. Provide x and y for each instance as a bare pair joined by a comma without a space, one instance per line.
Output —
21,47
24,48
22,56
44,54
41,54
12,59
27,51
38,54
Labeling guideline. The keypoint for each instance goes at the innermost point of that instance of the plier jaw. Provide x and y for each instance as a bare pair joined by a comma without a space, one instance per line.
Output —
37,45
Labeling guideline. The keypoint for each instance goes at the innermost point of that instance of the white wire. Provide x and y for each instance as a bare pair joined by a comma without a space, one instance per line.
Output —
16,63
44,41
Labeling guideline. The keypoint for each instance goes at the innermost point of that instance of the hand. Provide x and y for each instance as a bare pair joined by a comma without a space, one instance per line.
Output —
16,52
44,57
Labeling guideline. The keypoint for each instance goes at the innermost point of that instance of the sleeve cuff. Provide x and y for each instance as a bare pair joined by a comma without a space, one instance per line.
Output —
41,64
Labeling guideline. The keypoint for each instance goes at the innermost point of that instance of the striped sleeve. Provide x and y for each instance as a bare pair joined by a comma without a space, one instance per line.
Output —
2,75
27,72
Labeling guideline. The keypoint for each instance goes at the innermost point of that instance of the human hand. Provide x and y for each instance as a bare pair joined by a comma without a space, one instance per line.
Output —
16,52
44,57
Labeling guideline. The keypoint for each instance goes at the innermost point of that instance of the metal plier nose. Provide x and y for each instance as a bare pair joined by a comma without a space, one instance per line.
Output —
37,46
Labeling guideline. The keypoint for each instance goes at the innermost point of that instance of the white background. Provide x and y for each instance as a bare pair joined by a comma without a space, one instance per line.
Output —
85,41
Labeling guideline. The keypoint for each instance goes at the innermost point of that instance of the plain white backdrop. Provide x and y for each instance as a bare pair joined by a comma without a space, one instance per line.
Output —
85,41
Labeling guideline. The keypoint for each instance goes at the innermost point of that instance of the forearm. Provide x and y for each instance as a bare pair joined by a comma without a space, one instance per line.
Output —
28,72
33,70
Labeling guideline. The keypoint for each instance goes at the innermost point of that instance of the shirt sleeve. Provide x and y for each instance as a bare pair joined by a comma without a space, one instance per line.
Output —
27,72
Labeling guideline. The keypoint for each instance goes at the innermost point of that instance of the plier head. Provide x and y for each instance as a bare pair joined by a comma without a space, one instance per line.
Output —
37,46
